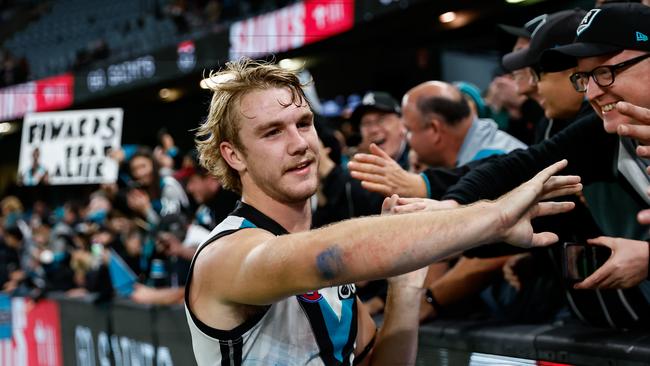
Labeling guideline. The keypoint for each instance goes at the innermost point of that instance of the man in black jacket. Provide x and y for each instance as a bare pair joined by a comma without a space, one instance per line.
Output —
607,162
592,152
562,106
613,67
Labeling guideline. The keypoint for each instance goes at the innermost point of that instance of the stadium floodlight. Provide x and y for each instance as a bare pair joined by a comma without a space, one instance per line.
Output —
447,17
457,19
169,94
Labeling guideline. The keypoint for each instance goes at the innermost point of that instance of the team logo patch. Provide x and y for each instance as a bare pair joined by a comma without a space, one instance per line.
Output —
536,22
369,99
640,37
311,296
586,21
346,291
540,20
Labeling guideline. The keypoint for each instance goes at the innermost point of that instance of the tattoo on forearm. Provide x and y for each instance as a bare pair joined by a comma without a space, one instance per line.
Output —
330,263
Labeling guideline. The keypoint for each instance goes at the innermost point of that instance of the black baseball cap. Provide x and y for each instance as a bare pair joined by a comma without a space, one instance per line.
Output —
527,30
375,101
554,30
609,29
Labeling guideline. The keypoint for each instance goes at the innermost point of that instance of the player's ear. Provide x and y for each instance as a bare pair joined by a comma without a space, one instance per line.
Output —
233,156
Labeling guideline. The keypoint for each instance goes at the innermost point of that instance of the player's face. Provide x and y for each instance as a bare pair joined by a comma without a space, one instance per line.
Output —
281,157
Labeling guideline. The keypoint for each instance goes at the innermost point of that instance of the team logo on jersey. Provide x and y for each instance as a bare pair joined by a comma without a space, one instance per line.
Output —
346,291
311,296
586,21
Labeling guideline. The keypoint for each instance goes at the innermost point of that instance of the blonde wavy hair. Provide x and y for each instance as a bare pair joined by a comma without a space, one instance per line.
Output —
229,86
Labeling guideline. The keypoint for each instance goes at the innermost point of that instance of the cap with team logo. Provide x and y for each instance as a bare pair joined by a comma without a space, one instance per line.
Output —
375,101
609,29
556,29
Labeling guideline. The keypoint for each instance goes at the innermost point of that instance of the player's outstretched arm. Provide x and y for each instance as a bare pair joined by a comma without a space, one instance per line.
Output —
255,267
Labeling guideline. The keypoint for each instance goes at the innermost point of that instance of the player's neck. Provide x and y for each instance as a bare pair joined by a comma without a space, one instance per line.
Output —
294,217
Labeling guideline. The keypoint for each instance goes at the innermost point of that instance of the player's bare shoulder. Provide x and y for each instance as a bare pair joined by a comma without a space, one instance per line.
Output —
220,260
214,283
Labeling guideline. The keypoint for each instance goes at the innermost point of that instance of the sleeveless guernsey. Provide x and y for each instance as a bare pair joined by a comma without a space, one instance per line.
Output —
316,328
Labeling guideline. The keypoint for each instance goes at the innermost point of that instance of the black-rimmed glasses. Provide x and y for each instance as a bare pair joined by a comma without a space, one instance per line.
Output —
602,75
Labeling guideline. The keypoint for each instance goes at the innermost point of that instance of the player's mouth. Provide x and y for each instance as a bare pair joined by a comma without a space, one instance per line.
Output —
302,167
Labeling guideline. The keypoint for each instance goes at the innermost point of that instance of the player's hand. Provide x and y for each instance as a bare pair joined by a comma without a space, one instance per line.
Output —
519,206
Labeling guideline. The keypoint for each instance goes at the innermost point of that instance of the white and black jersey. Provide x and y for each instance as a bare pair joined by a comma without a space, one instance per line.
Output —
316,328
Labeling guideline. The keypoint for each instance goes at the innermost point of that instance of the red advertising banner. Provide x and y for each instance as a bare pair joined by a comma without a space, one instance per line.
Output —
47,94
327,18
290,27
36,339
54,93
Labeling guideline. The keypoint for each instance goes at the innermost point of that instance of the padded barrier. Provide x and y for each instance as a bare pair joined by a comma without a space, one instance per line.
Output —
124,333
443,341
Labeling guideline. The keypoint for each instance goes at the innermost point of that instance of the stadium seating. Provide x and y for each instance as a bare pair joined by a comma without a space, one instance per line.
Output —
52,44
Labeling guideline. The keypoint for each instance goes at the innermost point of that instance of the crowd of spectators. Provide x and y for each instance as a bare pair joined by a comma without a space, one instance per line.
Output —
163,205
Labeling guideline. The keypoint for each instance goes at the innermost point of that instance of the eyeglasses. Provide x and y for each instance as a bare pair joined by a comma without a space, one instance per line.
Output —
536,71
602,75
526,74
